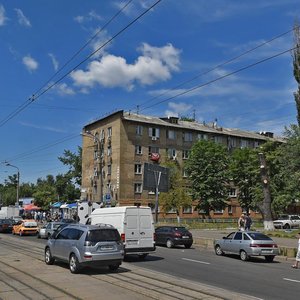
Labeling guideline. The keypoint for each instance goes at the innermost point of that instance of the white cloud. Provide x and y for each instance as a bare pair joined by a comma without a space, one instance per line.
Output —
3,18
63,89
23,20
134,8
48,128
30,63
91,16
54,61
155,64
177,109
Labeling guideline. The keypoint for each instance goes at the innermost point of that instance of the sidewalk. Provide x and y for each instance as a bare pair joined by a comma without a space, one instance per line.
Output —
206,237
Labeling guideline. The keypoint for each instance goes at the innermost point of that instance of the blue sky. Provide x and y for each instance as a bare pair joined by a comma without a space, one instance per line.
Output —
145,64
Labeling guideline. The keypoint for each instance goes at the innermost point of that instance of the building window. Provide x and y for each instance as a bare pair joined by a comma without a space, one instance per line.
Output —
139,130
232,192
202,136
256,144
153,150
187,210
218,211
102,135
108,169
187,136
95,172
95,155
171,134
186,154
233,142
184,173
138,169
229,209
109,131
109,151
172,211
138,188
171,153
218,139
154,132
138,149
244,144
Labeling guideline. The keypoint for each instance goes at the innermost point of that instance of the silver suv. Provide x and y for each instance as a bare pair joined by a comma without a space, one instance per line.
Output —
86,245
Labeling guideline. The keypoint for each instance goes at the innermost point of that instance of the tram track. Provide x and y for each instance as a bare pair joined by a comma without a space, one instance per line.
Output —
138,280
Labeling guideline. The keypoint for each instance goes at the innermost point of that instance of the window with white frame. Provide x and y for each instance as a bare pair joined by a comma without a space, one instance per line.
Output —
154,132
102,135
138,149
108,169
153,149
171,153
138,168
184,173
218,211
187,136
202,136
139,130
171,134
187,210
229,209
138,189
109,151
186,154
232,192
244,143
109,131
172,211
218,139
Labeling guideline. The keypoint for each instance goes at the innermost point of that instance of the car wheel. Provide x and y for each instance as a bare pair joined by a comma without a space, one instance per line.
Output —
38,236
286,226
49,260
243,255
74,264
170,244
143,256
269,258
188,246
218,250
113,267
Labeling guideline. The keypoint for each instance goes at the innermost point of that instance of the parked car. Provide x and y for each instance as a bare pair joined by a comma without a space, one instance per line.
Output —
86,245
247,244
16,219
52,227
42,232
287,222
25,227
172,236
6,225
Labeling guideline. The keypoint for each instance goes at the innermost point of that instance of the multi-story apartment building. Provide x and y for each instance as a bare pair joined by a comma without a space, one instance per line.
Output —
116,147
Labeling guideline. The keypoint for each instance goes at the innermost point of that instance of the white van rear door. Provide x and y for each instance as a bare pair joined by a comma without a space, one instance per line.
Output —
146,229
132,232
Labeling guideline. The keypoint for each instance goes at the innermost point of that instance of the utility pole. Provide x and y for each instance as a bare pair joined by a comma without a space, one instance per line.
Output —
18,180
266,207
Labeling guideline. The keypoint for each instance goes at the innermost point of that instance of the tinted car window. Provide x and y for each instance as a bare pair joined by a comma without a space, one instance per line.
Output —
258,236
63,235
238,236
100,235
74,234
181,229
230,236
246,237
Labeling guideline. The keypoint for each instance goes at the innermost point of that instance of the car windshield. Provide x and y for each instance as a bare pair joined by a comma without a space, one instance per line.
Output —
101,235
181,229
30,224
55,226
259,236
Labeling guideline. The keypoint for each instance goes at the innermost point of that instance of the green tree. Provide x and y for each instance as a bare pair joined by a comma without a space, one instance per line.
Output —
244,172
45,192
296,65
74,161
178,196
208,173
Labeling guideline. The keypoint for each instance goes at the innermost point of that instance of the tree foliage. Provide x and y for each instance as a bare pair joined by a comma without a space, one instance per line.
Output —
207,167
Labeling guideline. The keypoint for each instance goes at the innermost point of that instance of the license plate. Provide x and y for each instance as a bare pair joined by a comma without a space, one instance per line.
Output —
132,242
185,236
266,251
106,248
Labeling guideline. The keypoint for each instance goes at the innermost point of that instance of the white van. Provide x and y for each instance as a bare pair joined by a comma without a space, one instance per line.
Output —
135,225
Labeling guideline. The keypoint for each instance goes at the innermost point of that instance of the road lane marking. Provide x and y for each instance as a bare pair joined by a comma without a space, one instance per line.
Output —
197,261
293,280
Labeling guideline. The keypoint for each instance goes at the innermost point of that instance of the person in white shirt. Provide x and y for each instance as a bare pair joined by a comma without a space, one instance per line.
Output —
295,265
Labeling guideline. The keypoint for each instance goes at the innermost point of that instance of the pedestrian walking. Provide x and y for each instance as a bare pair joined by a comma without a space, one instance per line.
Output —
248,222
295,265
241,222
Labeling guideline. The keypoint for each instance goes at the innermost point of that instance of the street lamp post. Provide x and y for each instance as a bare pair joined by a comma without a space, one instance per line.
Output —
18,179
99,160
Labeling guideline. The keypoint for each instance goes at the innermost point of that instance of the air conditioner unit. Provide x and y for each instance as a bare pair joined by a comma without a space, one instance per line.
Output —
154,138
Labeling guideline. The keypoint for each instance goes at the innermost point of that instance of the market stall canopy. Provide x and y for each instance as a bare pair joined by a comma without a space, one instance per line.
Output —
64,206
56,205
31,207
72,205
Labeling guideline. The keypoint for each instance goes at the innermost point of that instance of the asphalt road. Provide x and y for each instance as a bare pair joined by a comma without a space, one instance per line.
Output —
256,278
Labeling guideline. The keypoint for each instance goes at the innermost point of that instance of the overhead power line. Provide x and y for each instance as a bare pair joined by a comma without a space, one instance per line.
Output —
50,86
220,78
218,66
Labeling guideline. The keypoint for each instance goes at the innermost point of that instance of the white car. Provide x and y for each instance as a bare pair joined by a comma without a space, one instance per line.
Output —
287,222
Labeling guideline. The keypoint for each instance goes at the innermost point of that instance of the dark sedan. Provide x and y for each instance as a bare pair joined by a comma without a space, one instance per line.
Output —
6,225
172,236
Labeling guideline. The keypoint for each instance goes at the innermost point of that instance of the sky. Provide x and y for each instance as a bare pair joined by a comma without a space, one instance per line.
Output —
66,63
